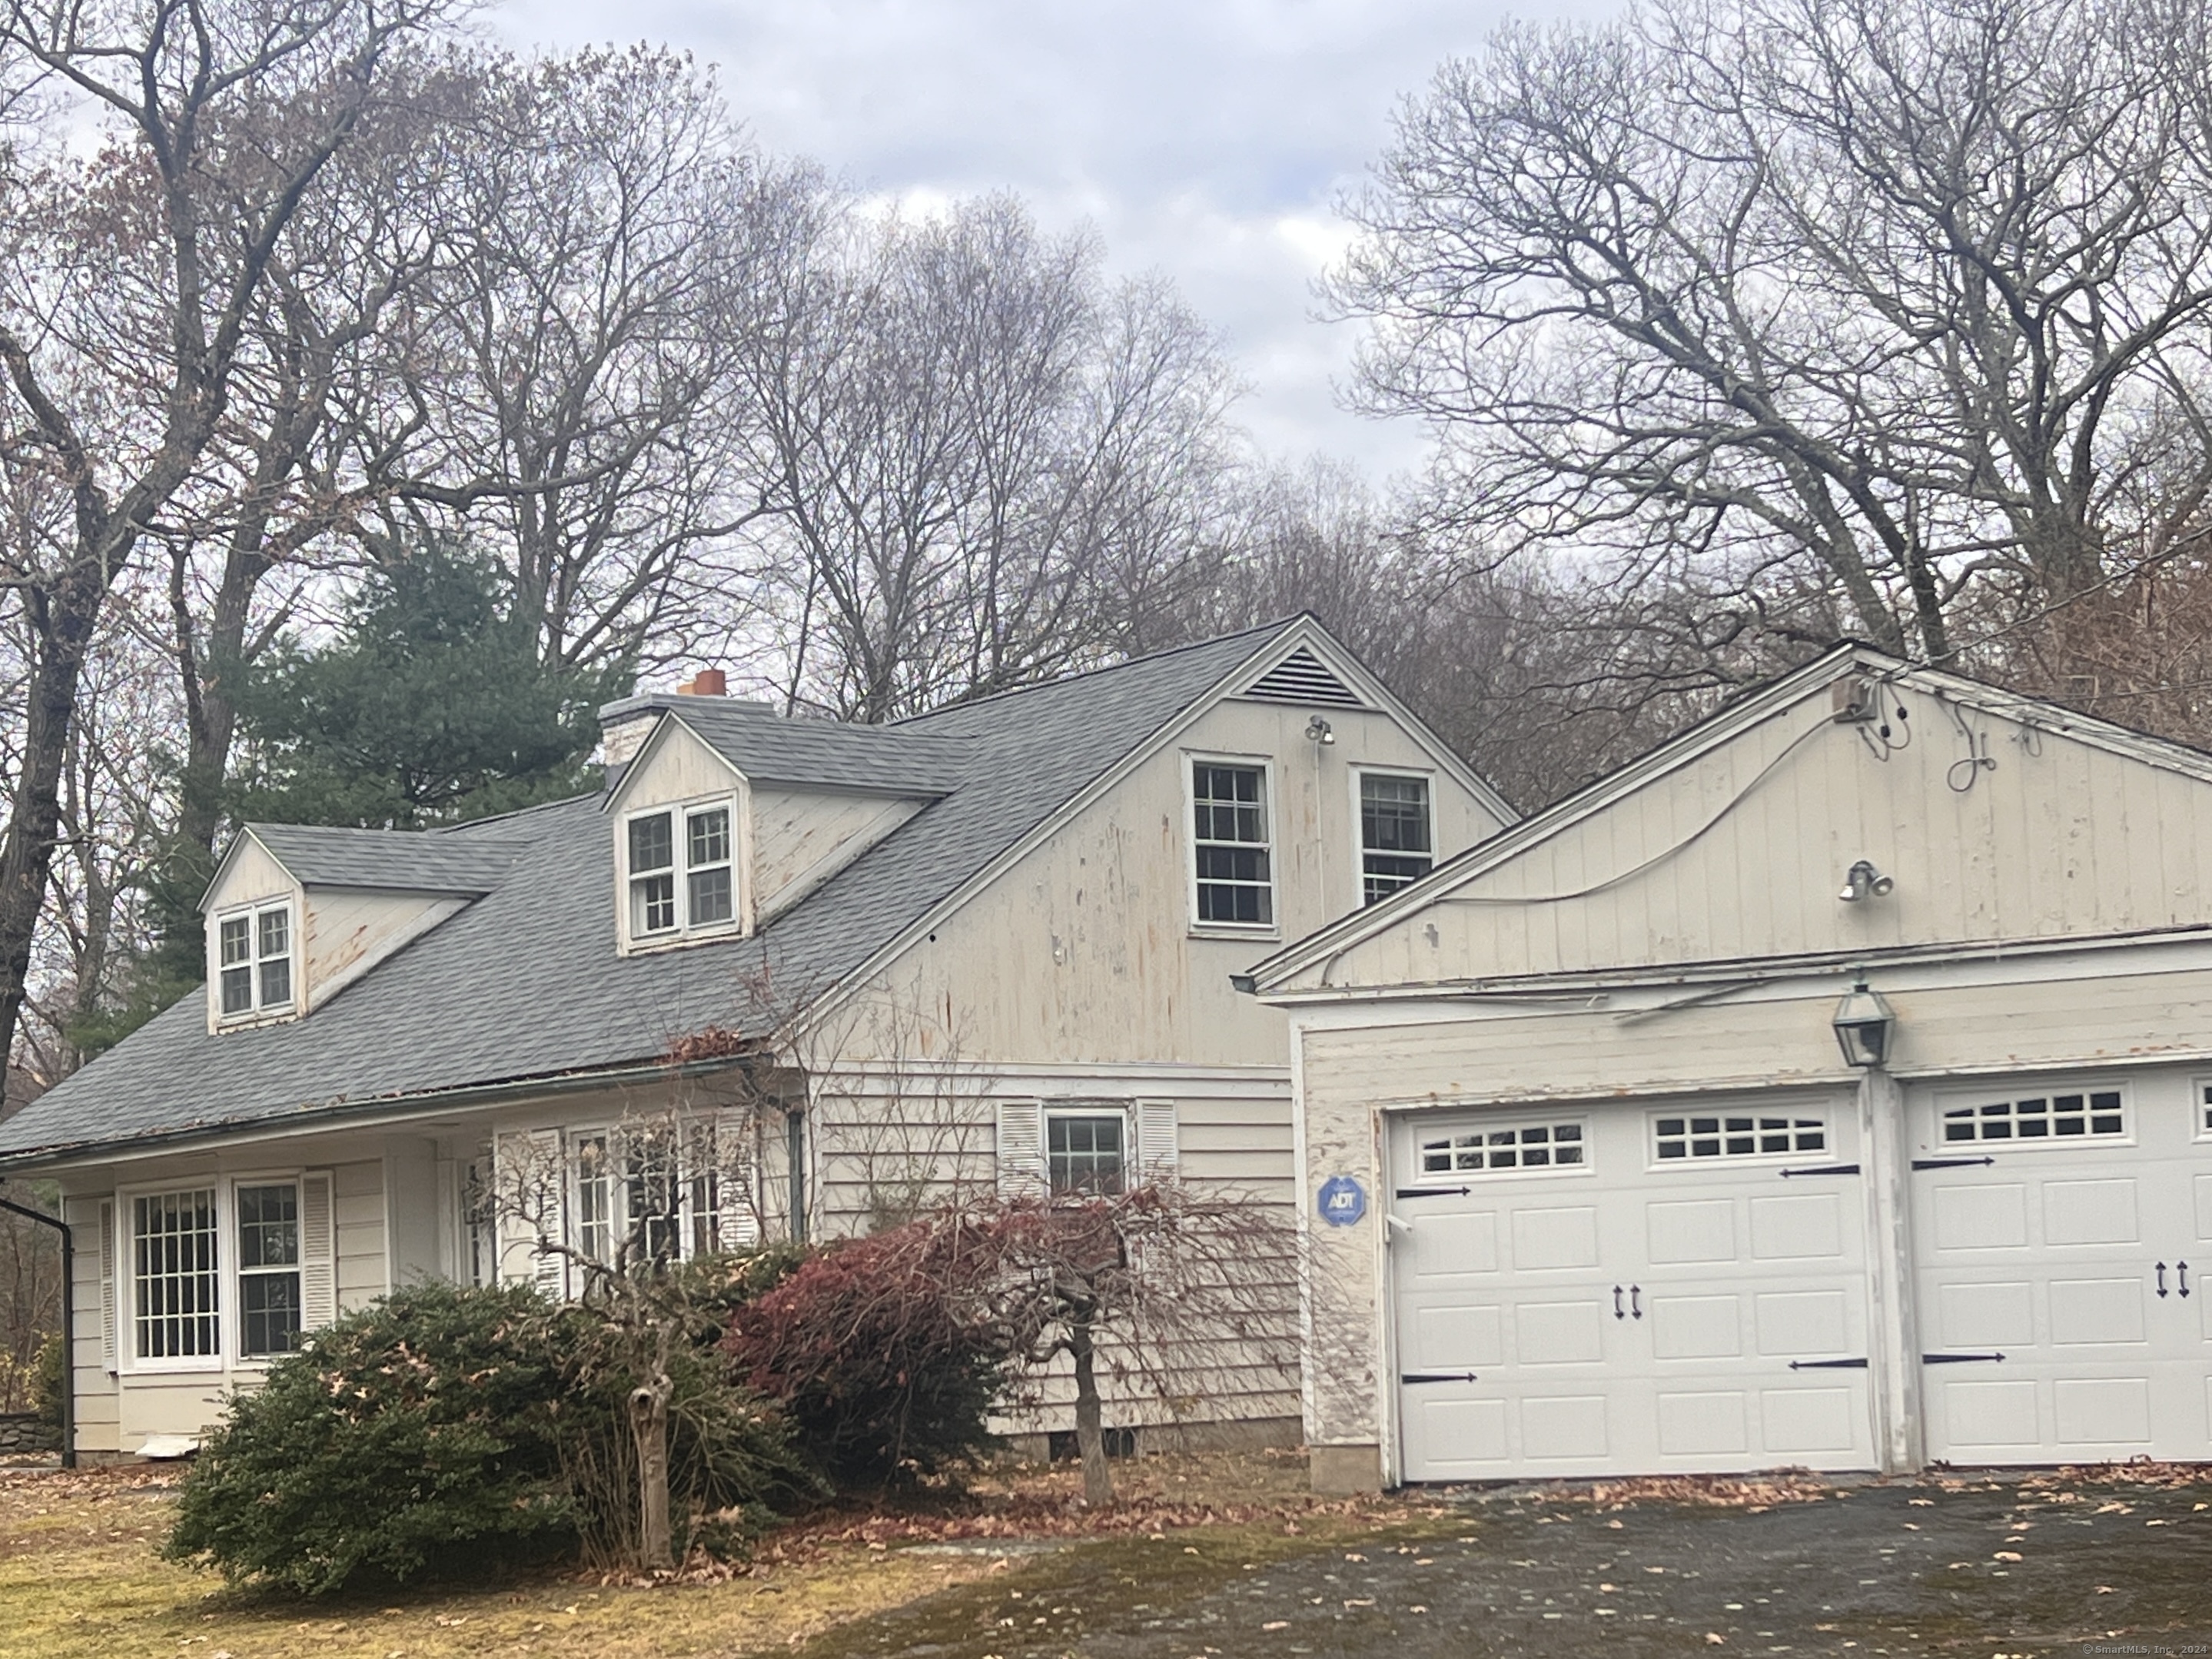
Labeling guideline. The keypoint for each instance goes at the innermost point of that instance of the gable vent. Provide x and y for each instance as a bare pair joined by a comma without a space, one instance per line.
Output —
1303,677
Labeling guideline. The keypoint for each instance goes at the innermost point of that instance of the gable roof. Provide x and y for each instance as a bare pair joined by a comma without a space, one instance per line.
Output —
874,760
436,863
1585,882
524,983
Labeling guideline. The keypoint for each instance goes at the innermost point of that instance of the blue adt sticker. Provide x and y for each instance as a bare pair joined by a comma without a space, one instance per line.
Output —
1343,1200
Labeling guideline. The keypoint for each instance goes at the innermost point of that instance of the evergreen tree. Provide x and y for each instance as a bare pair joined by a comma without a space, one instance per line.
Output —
431,705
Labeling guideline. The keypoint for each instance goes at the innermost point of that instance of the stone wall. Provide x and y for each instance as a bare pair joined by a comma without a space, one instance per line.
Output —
26,1431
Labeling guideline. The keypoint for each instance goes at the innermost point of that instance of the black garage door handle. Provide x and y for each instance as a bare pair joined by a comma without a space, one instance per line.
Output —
1827,1365
1958,1358
1824,1169
1439,1377
1948,1163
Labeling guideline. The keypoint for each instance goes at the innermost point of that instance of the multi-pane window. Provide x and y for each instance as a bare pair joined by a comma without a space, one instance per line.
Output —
2039,1117
655,1198
1730,1136
595,1199
269,1269
254,960
2204,1108
682,870
1507,1147
1229,810
1396,846
173,1281
1086,1155
708,890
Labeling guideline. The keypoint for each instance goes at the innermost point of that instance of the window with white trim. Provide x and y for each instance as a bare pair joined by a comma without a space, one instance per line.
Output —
1086,1154
673,1194
2204,1108
269,1304
1505,1146
175,1294
1695,1136
1397,846
1230,845
2087,1114
253,960
680,866
595,1197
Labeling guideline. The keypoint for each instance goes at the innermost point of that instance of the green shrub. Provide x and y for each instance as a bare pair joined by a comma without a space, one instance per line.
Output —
444,1426
394,1437
48,1379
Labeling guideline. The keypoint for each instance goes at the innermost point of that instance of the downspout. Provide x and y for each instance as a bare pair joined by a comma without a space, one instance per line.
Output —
69,1323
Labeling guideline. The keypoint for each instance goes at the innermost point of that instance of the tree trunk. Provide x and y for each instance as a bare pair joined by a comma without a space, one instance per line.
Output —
1090,1434
648,1425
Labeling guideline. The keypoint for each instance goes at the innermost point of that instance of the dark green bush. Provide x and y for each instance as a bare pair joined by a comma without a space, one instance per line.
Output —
397,1435
443,1426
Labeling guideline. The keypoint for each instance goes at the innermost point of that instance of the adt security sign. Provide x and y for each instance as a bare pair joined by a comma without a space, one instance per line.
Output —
1343,1200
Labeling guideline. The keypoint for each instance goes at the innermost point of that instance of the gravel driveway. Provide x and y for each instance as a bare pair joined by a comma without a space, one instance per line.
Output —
1959,1565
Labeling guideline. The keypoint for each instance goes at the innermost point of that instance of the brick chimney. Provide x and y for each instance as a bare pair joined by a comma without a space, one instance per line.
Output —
707,683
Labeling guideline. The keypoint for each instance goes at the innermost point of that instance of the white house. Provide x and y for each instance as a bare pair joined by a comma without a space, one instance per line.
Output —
995,942
1608,1165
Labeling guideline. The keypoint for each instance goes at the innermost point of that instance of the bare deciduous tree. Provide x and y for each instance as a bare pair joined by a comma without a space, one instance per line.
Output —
1854,317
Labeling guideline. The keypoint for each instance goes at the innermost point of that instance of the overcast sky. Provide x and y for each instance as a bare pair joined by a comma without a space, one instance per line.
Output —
1205,138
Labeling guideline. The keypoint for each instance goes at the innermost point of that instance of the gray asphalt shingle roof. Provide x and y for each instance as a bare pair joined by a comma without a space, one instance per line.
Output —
893,760
525,983
448,863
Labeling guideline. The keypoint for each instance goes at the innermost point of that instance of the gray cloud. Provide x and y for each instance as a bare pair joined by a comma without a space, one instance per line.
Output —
1206,139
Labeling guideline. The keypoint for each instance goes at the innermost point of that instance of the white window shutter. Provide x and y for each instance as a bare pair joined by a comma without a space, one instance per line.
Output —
529,1192
1021,1148
106,1285
548,1269
737,1222
1159,1159
318,1253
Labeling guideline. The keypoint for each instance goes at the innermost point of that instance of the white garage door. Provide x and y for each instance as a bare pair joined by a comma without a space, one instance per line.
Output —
1630,1290
2063,1234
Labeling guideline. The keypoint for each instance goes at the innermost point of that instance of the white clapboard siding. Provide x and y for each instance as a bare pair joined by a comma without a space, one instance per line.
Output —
1159,1157
319,1273
1021,1148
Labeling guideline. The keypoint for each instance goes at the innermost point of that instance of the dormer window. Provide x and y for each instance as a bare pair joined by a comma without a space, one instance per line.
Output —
682,873
254,956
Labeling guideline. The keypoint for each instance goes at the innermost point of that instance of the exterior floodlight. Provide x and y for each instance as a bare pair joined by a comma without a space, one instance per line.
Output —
1317,731
1863,880
1863,1022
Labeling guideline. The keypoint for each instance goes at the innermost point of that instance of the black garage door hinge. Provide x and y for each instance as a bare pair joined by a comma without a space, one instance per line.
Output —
1948,1163
1438,1376
1958,1358
1823,1169
1827,1365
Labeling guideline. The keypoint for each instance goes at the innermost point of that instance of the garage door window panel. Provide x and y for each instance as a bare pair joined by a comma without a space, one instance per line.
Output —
1698,1137
2088,1115
1505,1148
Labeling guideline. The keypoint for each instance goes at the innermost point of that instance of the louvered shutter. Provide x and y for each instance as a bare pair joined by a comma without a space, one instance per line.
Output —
318,1253
1021,1148
1159,1157
107,1288
530,1194
737,1221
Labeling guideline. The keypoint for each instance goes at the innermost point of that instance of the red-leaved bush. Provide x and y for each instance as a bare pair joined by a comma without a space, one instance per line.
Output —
884,1351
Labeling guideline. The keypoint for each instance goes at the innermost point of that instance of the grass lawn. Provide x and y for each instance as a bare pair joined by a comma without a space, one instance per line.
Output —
79,1574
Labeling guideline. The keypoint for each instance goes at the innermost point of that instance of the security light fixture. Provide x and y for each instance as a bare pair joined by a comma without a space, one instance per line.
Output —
1862,881
1863,1022
1317,731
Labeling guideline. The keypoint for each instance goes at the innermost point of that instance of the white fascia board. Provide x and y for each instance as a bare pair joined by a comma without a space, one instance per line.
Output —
230,853
2169,950
611,801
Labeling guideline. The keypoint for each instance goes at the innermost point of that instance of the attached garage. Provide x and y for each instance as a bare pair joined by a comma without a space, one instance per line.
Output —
1668,1287
1832,1088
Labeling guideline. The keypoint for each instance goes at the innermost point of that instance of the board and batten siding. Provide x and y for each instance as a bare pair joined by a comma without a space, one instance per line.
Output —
1739,852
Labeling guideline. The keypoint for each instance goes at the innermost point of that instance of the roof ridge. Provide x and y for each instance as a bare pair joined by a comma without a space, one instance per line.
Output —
1160,655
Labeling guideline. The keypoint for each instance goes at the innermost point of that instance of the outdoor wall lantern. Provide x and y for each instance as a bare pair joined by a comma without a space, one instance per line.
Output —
1318,731
1863,881
1864,1021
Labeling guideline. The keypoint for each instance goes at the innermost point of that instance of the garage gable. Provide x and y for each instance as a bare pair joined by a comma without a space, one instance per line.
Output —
1980,816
